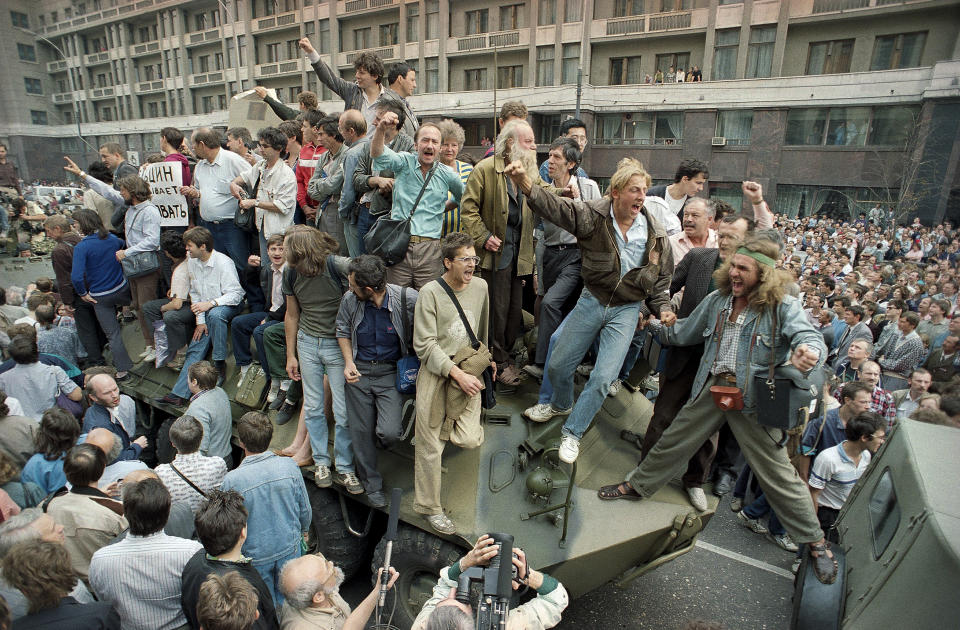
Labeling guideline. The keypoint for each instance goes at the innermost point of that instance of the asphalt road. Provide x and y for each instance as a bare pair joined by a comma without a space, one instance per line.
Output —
733,577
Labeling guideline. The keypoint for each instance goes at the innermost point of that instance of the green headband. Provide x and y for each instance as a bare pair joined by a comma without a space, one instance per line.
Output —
760,258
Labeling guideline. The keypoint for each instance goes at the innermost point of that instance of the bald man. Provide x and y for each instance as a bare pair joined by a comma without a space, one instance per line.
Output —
311,588
116,412
116,469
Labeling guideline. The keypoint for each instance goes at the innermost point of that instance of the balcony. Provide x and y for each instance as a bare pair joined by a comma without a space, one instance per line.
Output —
101,93
815,8
651,23
145,48
283,20
96,58
280,68
57,66
147,87
356,6
488,41
206,79
203,37
62,97
386,53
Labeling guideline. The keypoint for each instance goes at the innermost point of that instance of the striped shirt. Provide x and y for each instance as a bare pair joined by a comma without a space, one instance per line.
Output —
140,576
451,218
835,474
206,472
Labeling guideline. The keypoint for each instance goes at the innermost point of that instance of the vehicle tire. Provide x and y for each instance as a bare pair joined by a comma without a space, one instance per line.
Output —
332,538
818,606
418,556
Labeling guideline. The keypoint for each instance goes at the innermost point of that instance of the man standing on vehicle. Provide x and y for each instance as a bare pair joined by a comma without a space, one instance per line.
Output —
626,259
753,323
439,334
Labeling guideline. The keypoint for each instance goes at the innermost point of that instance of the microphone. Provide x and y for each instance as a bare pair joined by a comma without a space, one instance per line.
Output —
390,537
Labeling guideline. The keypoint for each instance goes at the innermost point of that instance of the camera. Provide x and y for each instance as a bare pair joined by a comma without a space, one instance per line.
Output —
495,585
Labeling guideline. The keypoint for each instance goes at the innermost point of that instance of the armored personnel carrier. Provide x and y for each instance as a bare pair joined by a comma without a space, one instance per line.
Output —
513,483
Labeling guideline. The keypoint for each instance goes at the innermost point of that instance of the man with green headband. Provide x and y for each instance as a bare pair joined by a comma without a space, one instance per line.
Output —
740,336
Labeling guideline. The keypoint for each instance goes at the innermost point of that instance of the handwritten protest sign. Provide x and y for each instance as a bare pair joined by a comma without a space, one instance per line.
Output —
165,179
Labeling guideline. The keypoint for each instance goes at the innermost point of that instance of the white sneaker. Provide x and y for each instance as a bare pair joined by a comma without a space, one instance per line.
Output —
752,524
541,412
784,542
146,351
698,498
150,356
243,371
569,448
533,370
274,390
615,388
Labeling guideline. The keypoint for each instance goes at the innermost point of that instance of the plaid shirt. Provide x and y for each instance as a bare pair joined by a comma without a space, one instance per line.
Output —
730,334
881,402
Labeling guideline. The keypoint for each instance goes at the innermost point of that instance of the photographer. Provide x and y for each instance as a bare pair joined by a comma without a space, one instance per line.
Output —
541,612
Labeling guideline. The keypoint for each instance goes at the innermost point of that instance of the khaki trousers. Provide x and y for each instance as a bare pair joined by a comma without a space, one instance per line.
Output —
432,435
423,263
143,290
697,421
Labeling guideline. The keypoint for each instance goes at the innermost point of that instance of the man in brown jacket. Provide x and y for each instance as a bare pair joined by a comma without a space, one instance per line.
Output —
496,216
626,259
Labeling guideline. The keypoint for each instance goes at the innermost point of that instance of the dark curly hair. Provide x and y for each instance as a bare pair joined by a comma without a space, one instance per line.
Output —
58,432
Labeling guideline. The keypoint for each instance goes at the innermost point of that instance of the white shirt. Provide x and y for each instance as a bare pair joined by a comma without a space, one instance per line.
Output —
661,209
215,279
276,292
213,179
180,282
278,184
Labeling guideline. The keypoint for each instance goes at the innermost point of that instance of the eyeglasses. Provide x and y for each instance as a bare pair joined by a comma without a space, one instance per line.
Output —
882,438
469,259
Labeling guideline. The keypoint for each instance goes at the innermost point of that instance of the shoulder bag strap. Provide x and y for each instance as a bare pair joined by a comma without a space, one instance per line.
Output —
474,342
423,189
189,483
403,313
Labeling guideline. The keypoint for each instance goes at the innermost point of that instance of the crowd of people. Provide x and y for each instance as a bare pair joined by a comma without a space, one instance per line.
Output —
283,266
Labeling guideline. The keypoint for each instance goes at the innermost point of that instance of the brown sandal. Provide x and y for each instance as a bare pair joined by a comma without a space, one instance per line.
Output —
621,490
824,566
508,376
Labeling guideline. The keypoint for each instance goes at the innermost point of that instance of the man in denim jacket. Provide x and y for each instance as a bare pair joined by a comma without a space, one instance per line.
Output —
736,325
276,497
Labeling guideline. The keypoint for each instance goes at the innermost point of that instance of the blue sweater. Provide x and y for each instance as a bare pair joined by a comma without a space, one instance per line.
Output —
96,269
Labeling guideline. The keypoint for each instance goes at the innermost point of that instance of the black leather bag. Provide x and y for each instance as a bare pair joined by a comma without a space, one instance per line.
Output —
246,218
140,264
488,395
390,238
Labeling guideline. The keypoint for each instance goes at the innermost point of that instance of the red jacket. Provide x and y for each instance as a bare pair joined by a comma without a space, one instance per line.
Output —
179,157
309,156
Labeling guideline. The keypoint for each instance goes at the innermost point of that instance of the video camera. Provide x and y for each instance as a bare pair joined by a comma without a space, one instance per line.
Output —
495,588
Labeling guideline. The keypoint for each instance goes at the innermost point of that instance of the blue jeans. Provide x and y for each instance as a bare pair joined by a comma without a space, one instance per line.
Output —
270,572
364,222
633,353
218,323
546,387
759,508
235,243
319,356
590,320
241,329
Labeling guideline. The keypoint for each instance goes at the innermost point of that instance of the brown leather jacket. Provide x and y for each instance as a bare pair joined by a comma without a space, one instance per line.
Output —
590,222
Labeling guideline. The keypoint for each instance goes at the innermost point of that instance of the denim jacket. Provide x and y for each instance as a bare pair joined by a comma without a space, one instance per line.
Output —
351,314
276,497
701,327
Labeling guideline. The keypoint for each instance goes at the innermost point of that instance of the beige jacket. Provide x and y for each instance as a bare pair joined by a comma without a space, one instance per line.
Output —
328,618
89,523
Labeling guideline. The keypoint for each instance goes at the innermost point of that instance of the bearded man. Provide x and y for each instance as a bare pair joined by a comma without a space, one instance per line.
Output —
751,317
494,212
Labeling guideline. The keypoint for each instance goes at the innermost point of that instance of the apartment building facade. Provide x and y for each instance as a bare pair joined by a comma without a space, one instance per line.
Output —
831,104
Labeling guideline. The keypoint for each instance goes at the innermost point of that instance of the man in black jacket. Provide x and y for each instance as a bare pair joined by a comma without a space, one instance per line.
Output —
694,274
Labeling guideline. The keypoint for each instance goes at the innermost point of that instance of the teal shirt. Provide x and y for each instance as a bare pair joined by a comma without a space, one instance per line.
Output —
428,219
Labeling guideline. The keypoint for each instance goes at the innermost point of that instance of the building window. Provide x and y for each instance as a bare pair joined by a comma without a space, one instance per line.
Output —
830,57
893,126
571,10
323,37
389,34
663,128
623,8
725,54
475,79
221,102
33,86
293,50
153,110
625,71
891,52
241,50
475,22
571,63
511,17
272,49
806,126
545,57
848,126
218,61
676,60
26,52
549,128
21,20
361,38
664,6
433,75
200,22
509,77
730,192
547,13
760,52
413,22
735,126
206,104
38,117
433,19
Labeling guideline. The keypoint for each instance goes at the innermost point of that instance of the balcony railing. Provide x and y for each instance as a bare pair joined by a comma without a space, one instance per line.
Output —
202,37
104,92
276,21
651,23
501,39
385,53
204,79
56,66
293,66
829,6
349,6
62,97
96,58
146,47
145,87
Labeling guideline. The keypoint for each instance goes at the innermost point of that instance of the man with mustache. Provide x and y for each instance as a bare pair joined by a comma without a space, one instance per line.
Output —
495,214
697,216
